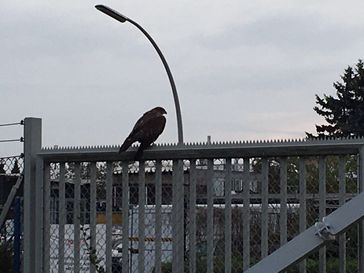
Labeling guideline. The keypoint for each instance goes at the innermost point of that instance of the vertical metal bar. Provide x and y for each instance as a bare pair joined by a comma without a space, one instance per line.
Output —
41,232
210,216
17,235
361,223
76,218
44,172
125,227
181,209
62,217
181,216
264,231
228,224
109,171
283,203
178,218
302,199
342,237
141,218
246,214
192,211
32,145
322,208
174,220
93,215
158,217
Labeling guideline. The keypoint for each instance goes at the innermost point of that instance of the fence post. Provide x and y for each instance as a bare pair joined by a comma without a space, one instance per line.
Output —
32,145
361,223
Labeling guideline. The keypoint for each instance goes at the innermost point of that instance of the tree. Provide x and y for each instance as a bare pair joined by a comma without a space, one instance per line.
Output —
345,112
344,115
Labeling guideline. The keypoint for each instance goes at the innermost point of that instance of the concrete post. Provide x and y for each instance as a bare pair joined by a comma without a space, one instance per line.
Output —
32,145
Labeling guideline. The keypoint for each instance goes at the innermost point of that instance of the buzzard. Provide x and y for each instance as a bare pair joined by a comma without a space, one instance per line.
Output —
146,130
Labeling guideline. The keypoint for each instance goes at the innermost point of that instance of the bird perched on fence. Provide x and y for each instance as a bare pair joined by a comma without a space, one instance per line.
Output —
146,130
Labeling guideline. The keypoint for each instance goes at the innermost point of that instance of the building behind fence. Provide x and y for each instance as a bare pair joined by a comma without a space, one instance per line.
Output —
219,207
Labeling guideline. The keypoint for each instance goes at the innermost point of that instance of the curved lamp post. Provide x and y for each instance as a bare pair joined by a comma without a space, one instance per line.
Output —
121,18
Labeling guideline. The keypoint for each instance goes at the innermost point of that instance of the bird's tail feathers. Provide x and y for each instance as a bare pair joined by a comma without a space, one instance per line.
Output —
127,143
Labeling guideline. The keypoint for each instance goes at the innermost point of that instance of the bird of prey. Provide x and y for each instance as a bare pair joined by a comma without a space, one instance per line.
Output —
146,130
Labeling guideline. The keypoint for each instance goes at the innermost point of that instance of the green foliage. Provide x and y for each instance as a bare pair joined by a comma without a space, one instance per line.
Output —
345,112
201,264
312,263
332,266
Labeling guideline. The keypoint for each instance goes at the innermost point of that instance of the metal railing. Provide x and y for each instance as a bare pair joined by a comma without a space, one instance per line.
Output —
217,207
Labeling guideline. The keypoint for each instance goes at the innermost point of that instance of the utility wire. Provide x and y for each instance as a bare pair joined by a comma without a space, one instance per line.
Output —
12,140
12,124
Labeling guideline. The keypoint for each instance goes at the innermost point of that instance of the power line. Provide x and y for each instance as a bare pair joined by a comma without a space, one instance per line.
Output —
12,140
12,124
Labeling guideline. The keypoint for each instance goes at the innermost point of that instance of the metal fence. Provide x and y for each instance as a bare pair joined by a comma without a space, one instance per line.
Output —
11,217
189,208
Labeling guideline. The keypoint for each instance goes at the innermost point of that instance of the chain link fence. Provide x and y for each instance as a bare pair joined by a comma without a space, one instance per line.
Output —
95,247
262,204
11,225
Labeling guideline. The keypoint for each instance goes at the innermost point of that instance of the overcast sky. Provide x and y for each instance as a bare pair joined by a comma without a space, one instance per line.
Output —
243,69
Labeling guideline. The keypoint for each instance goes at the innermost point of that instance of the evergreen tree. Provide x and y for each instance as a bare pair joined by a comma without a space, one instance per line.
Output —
345,112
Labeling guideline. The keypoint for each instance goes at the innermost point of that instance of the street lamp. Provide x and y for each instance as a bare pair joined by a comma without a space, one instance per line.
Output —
121,18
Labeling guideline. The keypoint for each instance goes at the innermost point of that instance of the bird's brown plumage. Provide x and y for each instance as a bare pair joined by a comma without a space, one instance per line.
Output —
146,130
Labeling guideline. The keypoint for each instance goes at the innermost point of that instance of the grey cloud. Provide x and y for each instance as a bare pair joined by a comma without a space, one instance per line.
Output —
288,32
77,69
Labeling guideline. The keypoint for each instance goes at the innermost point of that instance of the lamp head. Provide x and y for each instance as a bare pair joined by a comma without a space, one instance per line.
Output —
112,13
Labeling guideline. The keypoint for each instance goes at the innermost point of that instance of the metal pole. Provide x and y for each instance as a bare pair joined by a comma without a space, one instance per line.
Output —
171,80
121,18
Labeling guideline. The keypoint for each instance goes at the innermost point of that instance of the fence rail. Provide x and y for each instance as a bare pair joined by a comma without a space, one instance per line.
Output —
217,207
314,147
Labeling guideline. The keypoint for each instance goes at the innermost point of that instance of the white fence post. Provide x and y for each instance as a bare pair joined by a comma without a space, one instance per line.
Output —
32,145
